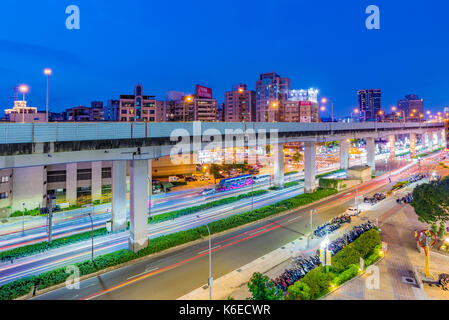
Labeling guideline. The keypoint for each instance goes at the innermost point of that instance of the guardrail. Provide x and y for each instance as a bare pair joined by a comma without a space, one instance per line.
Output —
11,133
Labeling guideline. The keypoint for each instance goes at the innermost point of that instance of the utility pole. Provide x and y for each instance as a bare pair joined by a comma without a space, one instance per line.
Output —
50,217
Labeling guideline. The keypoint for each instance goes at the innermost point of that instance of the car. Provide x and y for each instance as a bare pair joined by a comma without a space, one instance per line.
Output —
351,211
173,179
180,176
190,179
208,191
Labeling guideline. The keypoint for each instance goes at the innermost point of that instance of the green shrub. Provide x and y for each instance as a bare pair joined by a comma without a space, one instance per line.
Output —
346,275
319,281
291,173
299,291
186,211
24,251
351,254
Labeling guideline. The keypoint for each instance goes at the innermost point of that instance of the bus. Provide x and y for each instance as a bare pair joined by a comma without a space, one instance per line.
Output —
235,182
261,178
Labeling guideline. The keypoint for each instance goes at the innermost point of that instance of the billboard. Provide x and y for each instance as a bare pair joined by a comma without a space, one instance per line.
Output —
203,92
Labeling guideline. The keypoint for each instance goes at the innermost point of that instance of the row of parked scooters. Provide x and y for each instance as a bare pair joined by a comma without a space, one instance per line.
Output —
331,226
406,199
375,198
417,177
303,265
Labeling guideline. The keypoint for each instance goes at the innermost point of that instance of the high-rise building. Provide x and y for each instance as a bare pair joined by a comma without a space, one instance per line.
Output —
271,91
240,104
370,103
301,106
84,114
412,107
96,104
111,110
220,112
139,107
186,108
21,112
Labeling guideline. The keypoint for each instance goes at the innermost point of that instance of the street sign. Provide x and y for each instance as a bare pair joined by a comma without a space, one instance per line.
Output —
109,226
328,258
323,256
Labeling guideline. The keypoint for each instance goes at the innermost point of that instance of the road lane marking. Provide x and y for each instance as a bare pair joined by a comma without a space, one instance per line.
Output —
141,274
207,250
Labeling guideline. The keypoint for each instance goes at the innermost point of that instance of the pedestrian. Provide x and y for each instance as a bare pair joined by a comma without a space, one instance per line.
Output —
416,234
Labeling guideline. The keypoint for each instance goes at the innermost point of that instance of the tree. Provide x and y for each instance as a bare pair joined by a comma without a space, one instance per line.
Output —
297,157
299,291
215,171
262,288
431,202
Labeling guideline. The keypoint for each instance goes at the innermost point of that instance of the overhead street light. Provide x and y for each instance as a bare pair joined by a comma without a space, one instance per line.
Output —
47,72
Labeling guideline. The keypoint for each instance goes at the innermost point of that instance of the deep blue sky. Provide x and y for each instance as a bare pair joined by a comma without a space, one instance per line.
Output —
173,45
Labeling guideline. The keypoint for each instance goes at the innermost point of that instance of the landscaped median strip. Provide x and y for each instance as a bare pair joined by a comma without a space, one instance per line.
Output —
57,243
22,287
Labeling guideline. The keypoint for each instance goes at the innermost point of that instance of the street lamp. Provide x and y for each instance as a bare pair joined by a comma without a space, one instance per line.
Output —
92,226
47,72
23,219
324,101
211,280
24,89
355,111
325,252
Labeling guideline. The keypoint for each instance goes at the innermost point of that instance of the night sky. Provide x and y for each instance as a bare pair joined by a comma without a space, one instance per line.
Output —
173,45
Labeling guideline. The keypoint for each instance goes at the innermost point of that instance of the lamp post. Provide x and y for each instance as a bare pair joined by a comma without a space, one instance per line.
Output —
355,111
47,72
23,219
24,89
324,101
211,280
325,252
87,206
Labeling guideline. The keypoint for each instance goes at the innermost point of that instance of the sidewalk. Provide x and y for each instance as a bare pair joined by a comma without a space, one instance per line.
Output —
272,264
401,259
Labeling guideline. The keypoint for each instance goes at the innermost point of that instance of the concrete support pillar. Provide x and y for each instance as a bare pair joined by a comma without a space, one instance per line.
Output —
28,188
96,180
392,140
426,142
138,233
443,139
371,154
431,140
71,182
309,167
119,196
344,155
413,144
438,139
278,154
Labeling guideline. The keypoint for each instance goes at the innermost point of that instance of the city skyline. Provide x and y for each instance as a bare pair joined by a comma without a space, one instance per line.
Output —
98,61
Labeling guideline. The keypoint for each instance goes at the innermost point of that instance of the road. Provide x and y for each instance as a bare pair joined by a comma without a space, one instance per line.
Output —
77,221
34,230
171,275
81,251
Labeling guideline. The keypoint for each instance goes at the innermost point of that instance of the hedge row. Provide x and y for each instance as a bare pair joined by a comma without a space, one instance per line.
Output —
22,287
345,266
45,246
186,211
329,173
